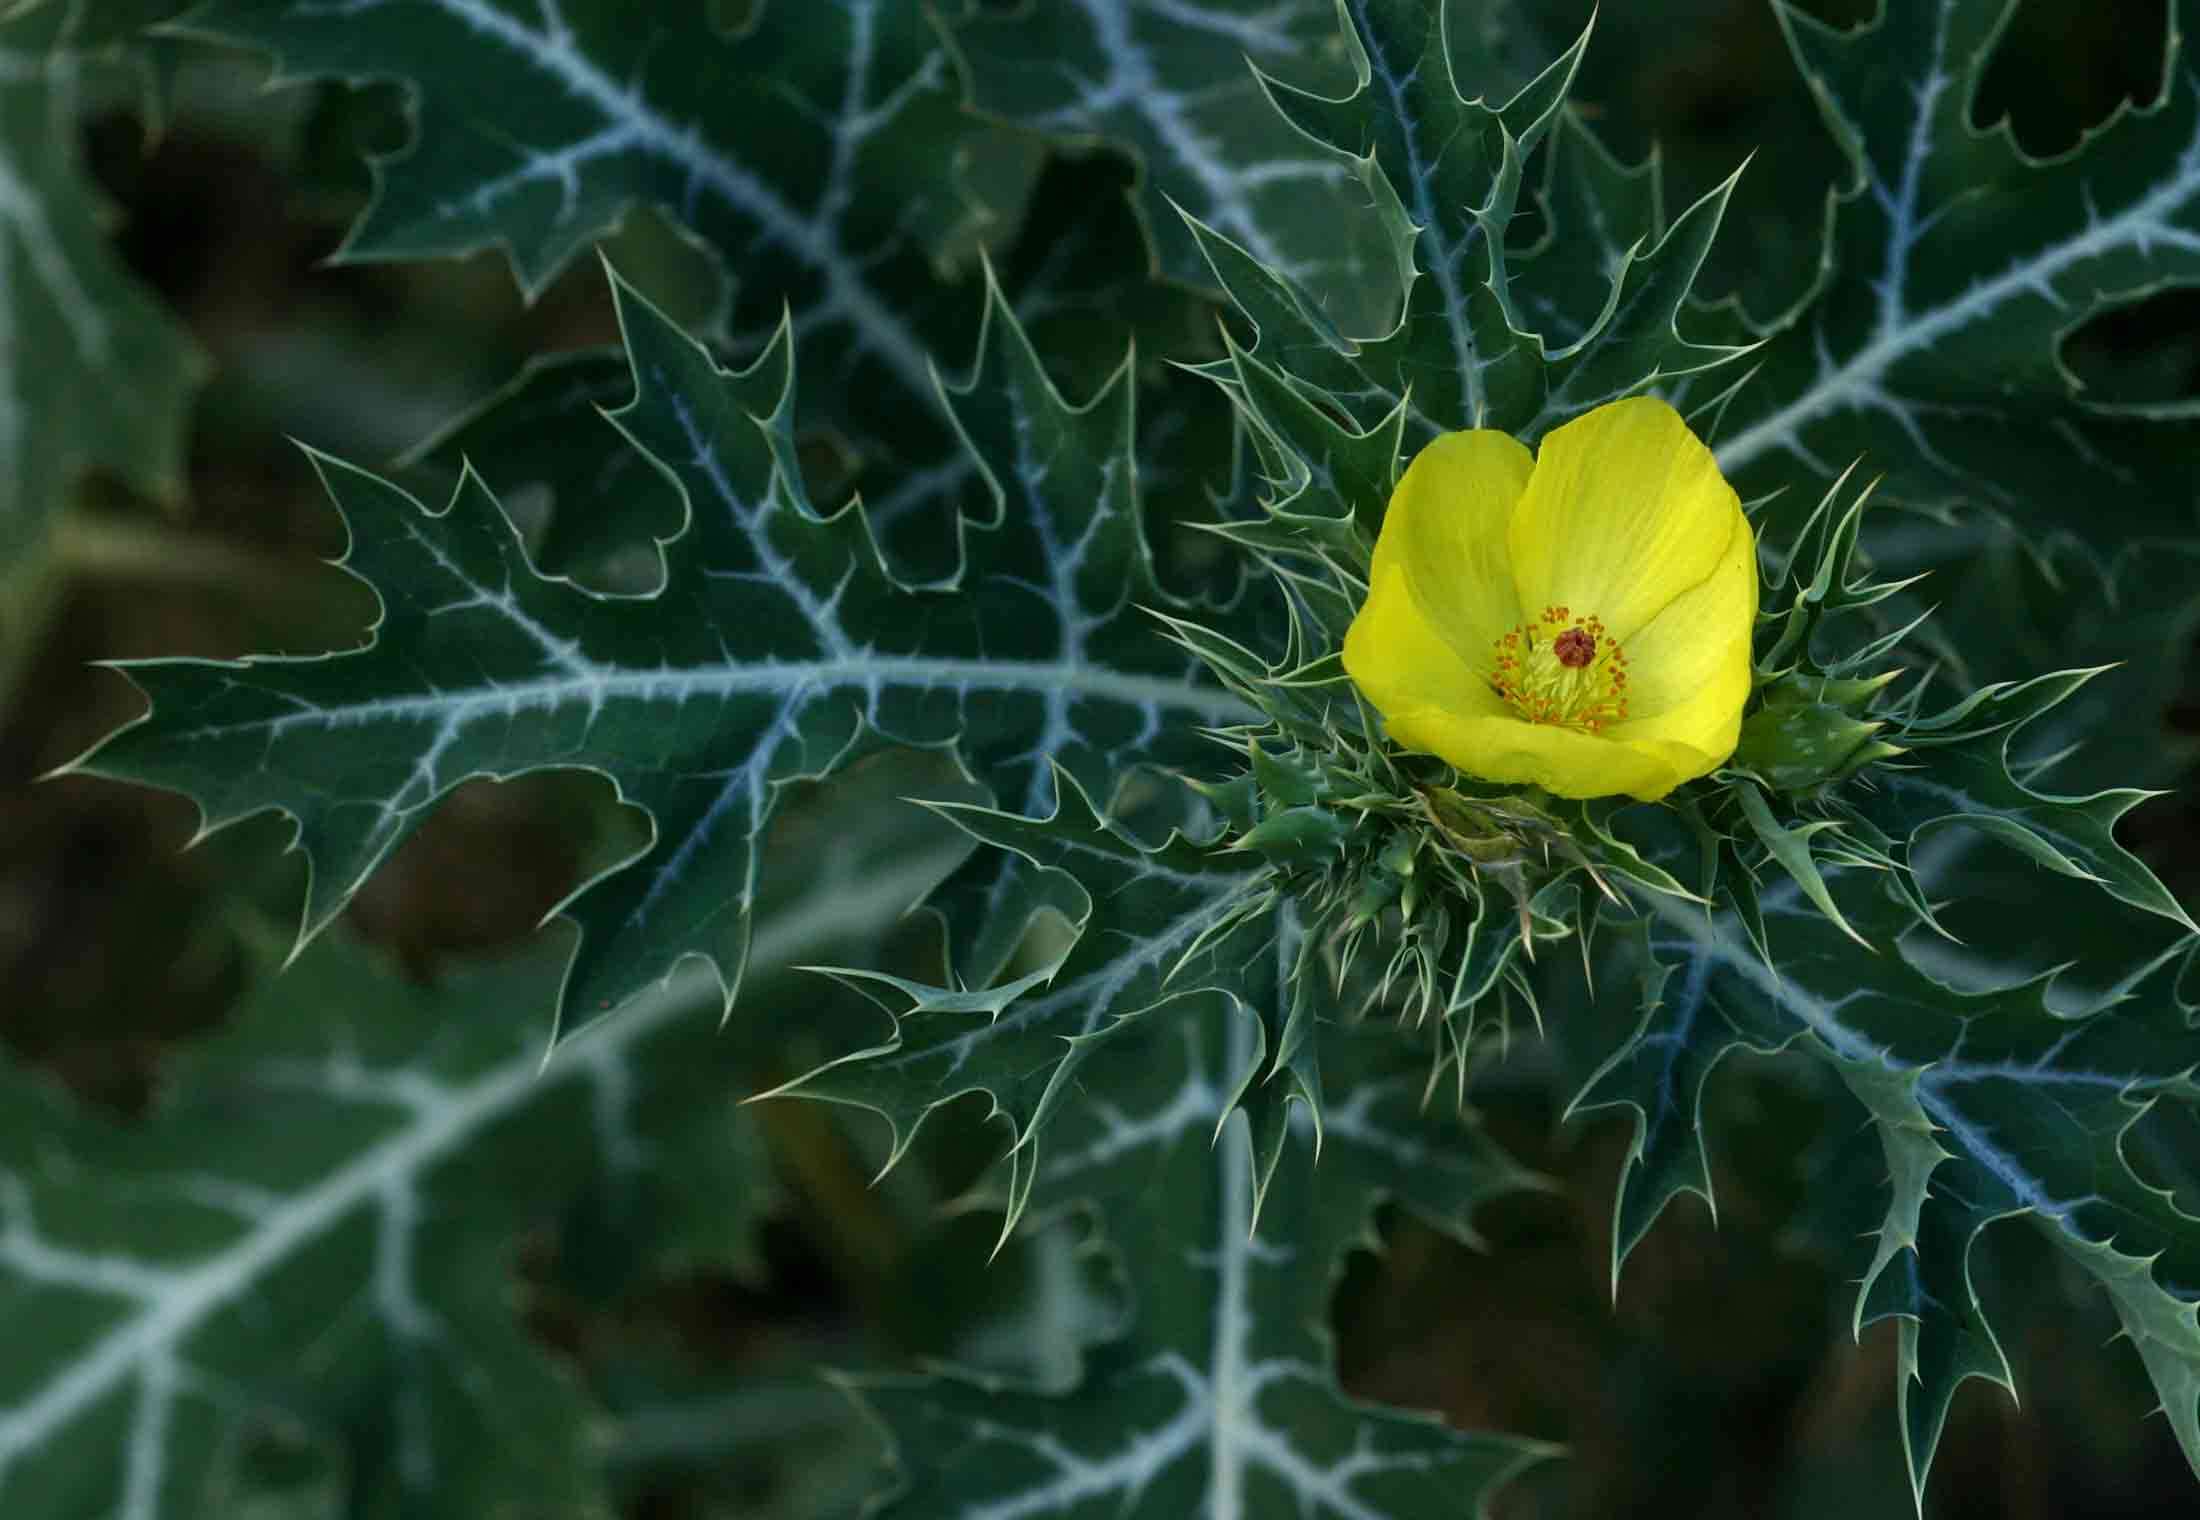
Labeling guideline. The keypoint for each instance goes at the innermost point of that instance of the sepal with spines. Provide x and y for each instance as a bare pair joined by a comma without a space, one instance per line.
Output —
1813,731
1436,886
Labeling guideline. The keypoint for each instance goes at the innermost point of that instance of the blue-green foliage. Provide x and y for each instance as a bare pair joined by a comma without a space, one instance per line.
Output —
1133,962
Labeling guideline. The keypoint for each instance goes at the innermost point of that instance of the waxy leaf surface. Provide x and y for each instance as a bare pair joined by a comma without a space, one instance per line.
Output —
780,647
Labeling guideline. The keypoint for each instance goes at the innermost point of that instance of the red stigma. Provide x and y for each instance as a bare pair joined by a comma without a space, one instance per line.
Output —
1575,648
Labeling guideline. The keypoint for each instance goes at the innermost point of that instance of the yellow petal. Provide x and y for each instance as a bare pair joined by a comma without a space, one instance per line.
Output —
1693,741
1563,761
1400,660
1690,663
1698,735
1625,511
1446,530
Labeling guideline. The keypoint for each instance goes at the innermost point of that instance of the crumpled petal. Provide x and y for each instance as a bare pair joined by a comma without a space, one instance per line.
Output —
1625,511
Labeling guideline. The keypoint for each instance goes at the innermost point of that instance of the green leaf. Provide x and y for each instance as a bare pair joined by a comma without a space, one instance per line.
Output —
1149,923
1221,1400
1957,267
815,151
1169,82
301,1261
1988,1103
1488,336
2163,1325
1598,215
780,647
94,373
1790,846
543,439
1964,778
1445,172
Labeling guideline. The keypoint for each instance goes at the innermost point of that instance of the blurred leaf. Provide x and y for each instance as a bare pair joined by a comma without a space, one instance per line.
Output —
1221,1400
94,374
784,1446
304,1256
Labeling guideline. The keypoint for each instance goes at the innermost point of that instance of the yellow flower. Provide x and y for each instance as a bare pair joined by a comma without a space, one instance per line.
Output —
1579,619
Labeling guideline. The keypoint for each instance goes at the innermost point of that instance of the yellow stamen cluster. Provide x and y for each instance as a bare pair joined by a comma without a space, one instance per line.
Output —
1562,669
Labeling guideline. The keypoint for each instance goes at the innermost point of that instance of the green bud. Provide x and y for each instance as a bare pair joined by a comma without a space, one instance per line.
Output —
1397,856
1377,892
1237,800
1812,731
1302,836
1283,782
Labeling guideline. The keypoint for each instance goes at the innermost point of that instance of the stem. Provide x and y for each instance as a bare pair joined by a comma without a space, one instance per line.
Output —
29,594
862,1234
99,546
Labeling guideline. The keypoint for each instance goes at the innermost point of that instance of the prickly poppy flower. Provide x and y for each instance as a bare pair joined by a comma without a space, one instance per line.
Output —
1578,619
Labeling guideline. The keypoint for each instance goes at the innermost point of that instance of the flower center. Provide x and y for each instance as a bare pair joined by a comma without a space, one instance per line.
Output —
1561,669
1575,647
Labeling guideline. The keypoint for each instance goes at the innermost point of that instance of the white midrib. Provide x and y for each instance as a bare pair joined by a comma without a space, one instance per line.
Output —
1823,1020
814,240
593,686
1857,381
433,1131
1228,1392
24,220
1137,86
1900,199
1443,267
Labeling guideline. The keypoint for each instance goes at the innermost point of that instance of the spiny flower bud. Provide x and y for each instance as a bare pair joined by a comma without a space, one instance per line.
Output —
1813,730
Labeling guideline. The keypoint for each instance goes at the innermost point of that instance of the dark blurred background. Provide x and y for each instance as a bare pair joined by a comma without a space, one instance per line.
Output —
1724,1382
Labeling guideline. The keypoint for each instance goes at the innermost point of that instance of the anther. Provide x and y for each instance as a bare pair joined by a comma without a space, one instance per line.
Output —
1562,669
